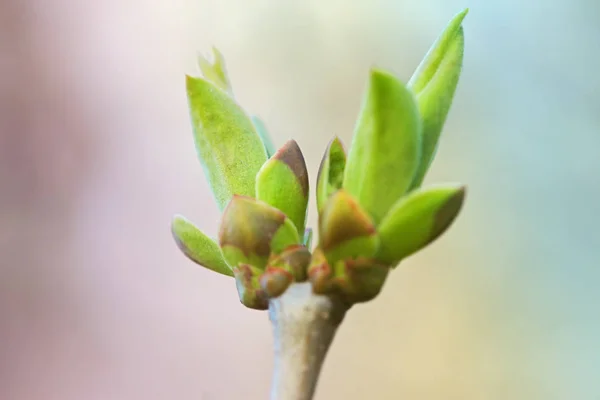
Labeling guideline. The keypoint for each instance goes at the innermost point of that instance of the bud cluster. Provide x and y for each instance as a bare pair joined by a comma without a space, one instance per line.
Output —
372,210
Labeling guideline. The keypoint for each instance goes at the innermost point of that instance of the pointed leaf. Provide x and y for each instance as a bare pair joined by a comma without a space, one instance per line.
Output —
345,229
252,230
385,150
215,71
428,68
282,182
261,128
331,172
229,148
198,247
417,220
434,83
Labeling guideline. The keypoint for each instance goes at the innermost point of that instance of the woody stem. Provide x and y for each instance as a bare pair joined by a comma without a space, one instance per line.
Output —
304,325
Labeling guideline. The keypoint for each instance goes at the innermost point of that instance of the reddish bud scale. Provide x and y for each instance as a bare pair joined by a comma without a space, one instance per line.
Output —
319,273
294,259
362,279
275,281
249,290
353,280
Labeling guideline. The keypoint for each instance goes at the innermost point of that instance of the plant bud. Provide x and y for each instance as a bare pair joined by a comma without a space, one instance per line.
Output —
252,230
345,230
282,182
331,172
247,281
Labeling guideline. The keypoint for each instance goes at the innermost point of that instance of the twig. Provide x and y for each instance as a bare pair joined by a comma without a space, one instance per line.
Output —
304,325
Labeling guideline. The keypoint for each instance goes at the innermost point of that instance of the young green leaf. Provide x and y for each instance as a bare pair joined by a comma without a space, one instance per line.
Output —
417,220
331,172
215,71
252,230
198,247
282,182
261,128
345,229
385,150
434,83
230,150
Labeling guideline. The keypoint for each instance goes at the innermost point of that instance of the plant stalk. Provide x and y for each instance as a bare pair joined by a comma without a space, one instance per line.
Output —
304,325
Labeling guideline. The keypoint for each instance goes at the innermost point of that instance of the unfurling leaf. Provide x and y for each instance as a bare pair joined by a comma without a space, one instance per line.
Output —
282,182
418,219
215,71
434,83
386,147
230,150
331,172
252,230
198,247
345,229
261,128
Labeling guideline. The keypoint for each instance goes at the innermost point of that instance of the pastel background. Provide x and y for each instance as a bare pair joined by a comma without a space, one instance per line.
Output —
96,154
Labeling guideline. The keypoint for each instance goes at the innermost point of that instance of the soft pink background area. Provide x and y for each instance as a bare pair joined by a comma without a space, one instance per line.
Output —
96,154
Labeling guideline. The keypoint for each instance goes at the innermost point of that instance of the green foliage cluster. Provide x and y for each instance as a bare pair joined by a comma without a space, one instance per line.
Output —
373,212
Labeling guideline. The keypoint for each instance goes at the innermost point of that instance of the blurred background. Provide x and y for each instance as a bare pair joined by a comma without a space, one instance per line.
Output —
96,155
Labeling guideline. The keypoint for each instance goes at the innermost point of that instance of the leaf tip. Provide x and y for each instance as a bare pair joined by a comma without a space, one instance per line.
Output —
378,76
449,210
291,155
459,18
